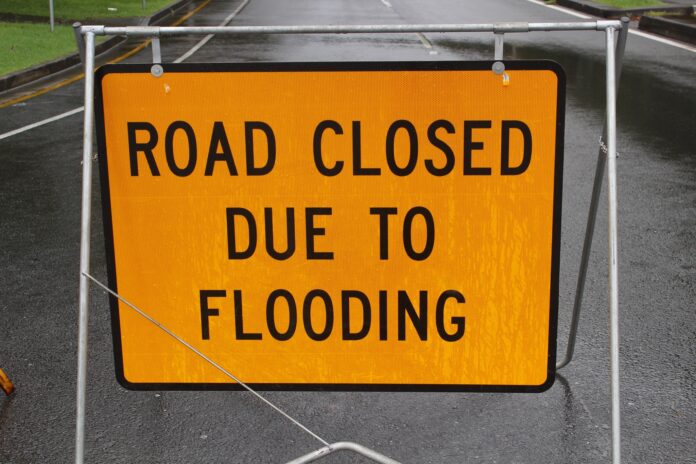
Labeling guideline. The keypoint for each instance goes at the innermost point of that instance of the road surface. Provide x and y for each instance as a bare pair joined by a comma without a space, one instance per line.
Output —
40,189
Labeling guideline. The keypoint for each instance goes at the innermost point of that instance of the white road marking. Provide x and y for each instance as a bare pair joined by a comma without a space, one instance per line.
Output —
427,43
424,40
561,9
42,122
663,40
646,35
67,114
207,38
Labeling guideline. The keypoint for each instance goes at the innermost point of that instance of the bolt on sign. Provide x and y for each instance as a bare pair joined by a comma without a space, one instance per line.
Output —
338,226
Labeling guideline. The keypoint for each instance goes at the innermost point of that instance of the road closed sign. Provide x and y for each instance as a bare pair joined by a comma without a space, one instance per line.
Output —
342,226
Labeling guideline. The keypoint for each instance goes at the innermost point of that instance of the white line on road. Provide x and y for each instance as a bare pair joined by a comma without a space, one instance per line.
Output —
662,40
186,55
653,37
41,123
207,38
426,43
562,10
424,40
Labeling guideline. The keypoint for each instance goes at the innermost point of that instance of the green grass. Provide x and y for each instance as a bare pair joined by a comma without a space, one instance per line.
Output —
23,44
630,3
82,9
26,44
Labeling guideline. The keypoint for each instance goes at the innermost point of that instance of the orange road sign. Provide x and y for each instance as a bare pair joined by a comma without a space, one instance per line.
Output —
343,226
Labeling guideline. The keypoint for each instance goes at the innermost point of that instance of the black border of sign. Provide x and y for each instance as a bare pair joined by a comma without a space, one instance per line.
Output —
535,65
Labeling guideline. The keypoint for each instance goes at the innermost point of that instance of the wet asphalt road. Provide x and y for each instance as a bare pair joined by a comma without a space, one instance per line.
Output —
39,231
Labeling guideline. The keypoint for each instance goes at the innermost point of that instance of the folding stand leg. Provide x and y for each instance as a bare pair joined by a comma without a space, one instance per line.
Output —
613,250
85,247
592,215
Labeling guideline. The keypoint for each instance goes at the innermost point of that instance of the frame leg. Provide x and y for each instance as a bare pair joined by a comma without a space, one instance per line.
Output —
613,250
592,215
85,247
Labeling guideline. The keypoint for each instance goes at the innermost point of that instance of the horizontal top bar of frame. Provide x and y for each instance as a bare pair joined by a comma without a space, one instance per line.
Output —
500,28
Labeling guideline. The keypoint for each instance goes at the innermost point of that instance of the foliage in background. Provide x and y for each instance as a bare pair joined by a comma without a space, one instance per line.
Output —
82,9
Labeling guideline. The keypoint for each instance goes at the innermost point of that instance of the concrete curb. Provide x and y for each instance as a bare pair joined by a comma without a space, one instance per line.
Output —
671,28
28,75
605,11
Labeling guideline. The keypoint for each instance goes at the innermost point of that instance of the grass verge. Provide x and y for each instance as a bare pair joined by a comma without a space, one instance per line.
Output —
25,44
83,9
630,3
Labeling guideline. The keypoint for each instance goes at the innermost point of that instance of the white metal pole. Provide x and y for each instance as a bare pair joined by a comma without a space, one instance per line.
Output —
613,249
501,28
50,13
85,248
594,205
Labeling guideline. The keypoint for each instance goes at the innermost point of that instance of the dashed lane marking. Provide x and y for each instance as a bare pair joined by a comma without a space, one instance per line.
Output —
426,43
424,40
207,38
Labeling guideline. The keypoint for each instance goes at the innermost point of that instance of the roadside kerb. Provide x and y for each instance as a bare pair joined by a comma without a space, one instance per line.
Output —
668,27
605,11
28,75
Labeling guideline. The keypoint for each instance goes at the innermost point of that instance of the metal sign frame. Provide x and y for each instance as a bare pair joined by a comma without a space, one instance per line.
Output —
606,161
546,361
